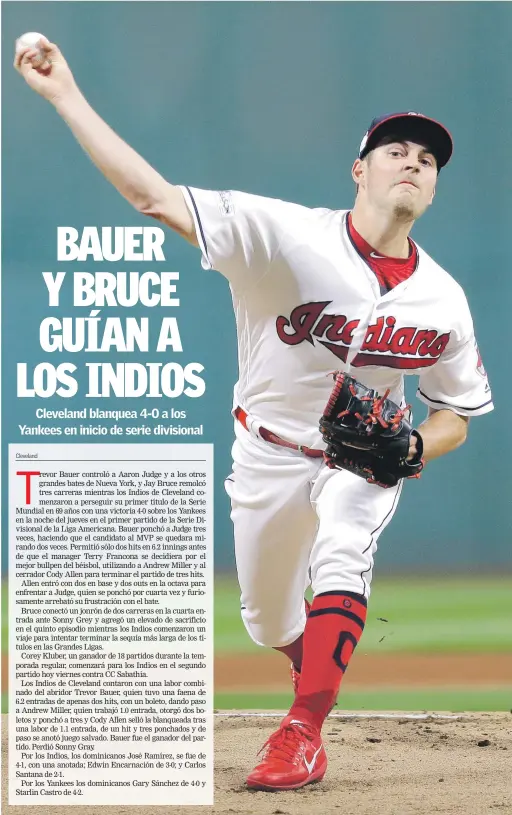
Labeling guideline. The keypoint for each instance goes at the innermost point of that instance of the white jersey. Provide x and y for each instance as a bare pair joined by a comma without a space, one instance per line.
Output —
307,303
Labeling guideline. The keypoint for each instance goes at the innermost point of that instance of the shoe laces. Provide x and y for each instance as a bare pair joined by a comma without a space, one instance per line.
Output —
287,743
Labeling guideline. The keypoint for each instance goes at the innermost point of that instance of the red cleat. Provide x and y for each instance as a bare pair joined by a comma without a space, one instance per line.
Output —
293,757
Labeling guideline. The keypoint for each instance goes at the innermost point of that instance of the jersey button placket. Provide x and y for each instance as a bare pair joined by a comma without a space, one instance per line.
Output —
360,335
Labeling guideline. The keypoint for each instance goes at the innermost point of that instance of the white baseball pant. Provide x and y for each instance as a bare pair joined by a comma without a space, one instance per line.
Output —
298,523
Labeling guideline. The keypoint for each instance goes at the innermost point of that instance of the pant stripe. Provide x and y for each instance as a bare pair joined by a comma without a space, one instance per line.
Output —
389,514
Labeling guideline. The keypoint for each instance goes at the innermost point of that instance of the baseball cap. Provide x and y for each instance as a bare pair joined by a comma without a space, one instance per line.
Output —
435,134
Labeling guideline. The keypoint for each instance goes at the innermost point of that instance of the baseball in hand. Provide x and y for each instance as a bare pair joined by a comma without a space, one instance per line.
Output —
30,40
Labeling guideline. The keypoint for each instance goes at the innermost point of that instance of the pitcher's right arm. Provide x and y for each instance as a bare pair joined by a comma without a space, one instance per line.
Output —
136,180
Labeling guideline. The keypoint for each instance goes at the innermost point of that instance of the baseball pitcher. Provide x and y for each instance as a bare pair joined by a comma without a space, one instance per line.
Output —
333,309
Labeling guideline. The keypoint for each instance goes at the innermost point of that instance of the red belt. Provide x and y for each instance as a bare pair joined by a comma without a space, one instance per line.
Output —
267,435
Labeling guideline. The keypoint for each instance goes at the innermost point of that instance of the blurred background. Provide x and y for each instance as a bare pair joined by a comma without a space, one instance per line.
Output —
274,98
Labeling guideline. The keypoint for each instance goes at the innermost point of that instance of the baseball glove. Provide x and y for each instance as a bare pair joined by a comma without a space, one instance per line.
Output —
368,434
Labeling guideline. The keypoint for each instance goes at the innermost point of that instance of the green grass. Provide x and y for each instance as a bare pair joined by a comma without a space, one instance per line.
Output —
419,699
452,614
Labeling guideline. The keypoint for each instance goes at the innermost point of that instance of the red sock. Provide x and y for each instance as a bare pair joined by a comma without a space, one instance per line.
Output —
294,650
333,629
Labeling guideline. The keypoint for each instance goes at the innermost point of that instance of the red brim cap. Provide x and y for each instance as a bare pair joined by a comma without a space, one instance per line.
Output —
415,125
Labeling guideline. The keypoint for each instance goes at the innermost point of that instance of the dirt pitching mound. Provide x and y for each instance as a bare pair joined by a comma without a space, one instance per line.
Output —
378,765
